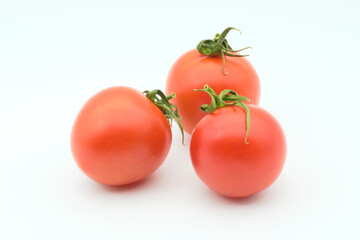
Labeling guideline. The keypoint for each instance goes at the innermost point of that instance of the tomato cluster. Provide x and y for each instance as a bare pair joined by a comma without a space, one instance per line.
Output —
237,149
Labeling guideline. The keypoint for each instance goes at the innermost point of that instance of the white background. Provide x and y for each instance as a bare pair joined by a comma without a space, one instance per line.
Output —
54,55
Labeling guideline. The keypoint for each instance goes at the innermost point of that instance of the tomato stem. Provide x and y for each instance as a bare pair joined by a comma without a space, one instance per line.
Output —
226,98
168,109
219,47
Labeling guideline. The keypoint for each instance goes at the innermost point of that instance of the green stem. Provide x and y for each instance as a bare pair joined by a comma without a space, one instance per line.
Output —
226,98
219,47
168,109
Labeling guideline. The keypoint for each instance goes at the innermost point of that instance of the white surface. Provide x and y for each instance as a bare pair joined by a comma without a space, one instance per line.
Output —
54,55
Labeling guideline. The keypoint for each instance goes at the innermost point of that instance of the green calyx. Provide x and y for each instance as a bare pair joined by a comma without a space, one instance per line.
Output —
226,98
168,109
219,47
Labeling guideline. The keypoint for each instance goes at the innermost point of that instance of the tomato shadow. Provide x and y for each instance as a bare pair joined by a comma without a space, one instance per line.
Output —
250,200
131,187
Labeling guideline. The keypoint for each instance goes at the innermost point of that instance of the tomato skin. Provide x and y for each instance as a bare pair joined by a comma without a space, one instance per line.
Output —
193,70
120,137
225,163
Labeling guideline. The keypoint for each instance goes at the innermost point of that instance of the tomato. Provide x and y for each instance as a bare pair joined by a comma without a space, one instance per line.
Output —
230,165
193,70
120,136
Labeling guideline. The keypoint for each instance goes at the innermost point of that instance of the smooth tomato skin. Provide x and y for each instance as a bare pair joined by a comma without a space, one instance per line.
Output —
193,70
120,137
225,163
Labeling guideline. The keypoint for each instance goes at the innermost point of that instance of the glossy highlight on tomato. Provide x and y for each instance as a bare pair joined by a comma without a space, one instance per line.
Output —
120,136
226,163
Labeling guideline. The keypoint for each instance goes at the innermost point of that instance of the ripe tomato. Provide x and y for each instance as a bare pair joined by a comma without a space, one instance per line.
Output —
193,70
120,136
206,65
229,166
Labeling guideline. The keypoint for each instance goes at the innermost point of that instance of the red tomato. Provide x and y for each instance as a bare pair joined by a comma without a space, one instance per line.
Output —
120,137
229,166
193,70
